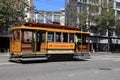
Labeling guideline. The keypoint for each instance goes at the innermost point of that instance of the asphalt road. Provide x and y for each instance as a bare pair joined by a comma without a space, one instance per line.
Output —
99,67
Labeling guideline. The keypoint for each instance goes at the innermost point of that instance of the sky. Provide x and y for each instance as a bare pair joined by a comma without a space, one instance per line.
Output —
55,5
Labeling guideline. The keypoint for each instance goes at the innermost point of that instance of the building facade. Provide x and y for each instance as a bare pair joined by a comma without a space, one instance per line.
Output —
50,16
74,7
29,14
92,7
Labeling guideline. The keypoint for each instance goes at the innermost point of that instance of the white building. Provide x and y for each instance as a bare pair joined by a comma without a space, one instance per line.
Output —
117,7
50,16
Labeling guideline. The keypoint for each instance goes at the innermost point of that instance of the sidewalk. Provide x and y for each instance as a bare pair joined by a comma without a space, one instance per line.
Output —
109,56
4,54
104,53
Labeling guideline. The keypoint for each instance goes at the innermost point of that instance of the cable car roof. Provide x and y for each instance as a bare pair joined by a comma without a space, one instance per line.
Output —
49,27
58,26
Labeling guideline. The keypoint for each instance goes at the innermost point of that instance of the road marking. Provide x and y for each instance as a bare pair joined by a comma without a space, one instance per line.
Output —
96,71
6,63
71,75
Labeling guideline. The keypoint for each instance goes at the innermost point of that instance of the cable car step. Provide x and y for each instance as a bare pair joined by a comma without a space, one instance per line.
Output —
35,59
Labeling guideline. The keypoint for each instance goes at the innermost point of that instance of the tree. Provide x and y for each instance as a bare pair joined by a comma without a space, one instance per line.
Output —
99,18
12,13
71,13
106,20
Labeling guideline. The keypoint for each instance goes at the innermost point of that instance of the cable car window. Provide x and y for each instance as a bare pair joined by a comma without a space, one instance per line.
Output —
71,38
84,39
16,35
58,37
65,37
43,36
50,37
27,36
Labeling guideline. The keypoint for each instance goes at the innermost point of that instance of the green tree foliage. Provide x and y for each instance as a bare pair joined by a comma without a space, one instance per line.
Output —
12,12
82,19
105,19
87,18
117,29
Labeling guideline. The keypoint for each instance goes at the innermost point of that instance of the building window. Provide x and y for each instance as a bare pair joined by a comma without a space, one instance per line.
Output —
40,18
117,5
35,17
56,18
48,17
85,1
118,13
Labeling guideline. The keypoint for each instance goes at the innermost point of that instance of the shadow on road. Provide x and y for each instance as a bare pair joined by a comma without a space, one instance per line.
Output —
50,60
